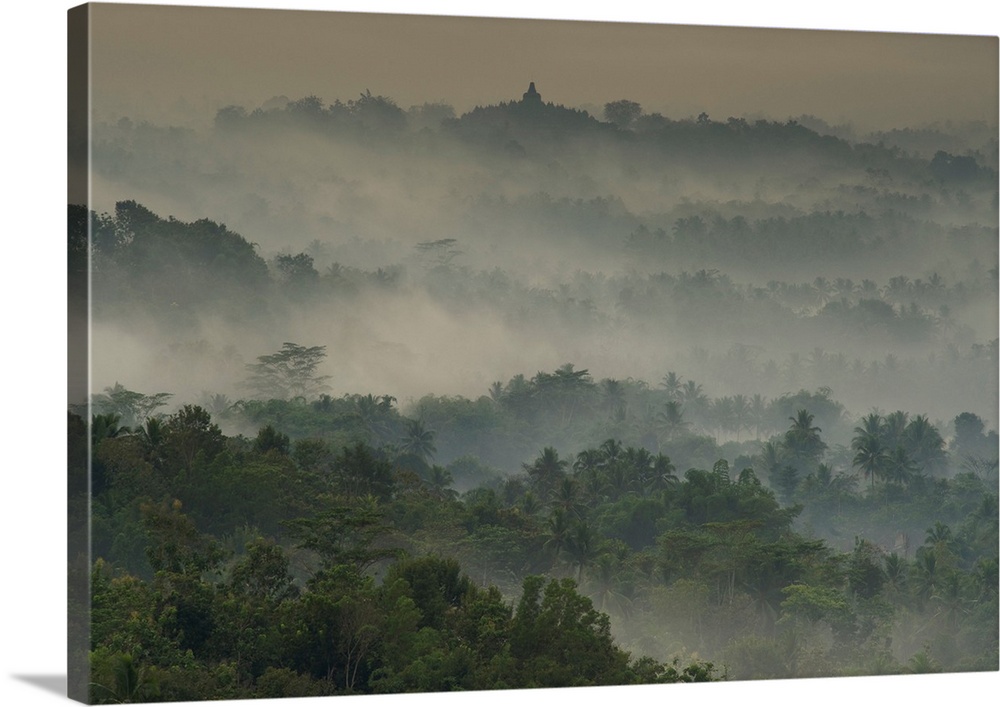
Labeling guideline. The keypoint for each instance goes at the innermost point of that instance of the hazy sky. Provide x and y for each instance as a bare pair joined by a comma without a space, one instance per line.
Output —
147,58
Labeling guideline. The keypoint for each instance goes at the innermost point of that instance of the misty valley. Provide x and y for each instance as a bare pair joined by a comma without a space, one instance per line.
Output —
390,400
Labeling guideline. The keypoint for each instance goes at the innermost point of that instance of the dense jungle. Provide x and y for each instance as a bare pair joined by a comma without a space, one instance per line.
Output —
394,400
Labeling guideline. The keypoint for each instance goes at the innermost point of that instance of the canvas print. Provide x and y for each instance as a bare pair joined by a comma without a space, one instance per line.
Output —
419,354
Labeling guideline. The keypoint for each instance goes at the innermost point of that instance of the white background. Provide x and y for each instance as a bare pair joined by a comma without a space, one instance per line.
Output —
32,395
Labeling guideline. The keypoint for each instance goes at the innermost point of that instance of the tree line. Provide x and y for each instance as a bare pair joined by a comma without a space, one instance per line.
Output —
331,553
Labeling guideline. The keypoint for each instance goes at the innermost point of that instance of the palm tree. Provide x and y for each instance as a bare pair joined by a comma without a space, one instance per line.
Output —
692,395
843,287
586,461
742,409
758,413
898,288
590,482
616,479
823,290
895,574
546,472
868,289
558,530
106,426
723,414
614,395
938,537
611,450
607,595
894,429
582,547
802,439
984,578
803,423
925,445
671,383
151,435
951,599
131,684
418,440
670,421
870,456
218,404
530,505
871,424
662,475
439,480
926,574
371,411
819,482
513,490
770,460
638,462
899,468
567,497
324,403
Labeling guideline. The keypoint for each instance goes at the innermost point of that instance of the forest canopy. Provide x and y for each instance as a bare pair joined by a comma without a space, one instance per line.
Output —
393,399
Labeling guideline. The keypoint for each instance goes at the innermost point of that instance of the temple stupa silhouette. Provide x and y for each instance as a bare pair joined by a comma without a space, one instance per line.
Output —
531,96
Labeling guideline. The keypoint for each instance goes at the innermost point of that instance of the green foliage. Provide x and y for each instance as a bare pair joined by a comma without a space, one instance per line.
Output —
120,681
435,585
169,263
189,435
346,532
288,373
268,439
285,682
622,113
131,408
334,420
546,472
262,574
175,545
127,619
711,497
558,639
802,443
297,273
633,520
817,604
358,472
352,568
353,553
